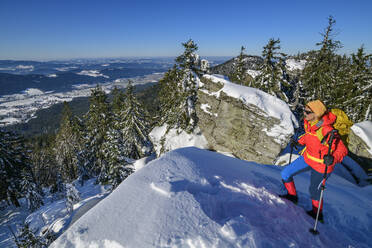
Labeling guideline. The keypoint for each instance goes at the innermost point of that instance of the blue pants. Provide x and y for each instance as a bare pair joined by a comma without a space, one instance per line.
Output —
298,166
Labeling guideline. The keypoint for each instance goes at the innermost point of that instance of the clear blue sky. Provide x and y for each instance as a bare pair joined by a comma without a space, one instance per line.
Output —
58,29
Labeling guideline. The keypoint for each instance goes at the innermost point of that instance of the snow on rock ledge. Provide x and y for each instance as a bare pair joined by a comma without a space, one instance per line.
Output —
248,122
364,131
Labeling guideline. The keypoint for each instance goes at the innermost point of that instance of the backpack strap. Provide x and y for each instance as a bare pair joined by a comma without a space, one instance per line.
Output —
333,132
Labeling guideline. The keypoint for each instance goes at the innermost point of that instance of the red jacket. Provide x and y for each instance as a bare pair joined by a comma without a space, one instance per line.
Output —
315,150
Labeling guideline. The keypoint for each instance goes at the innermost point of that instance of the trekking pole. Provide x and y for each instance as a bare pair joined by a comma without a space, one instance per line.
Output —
313,230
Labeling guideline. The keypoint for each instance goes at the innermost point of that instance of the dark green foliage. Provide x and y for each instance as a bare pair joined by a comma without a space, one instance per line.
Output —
240,75
97,123
27,239
339,81
178,94
14,163
67,144
31,191
319,81
134,125
272,78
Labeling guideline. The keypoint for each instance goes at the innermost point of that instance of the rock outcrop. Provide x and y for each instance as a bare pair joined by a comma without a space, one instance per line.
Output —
359,150
236,126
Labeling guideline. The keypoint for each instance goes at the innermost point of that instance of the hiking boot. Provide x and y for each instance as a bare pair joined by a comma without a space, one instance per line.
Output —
292,198
313,215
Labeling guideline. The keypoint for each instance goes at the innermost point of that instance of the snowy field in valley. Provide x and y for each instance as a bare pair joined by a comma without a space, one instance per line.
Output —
196,198
18,108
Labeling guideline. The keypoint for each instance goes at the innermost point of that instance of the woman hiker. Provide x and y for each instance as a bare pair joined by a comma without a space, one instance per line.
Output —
318,125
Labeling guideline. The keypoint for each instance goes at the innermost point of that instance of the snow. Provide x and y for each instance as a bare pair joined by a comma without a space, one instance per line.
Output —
253,73
205,108
270,105
92,73
364,131
191,197
25,67
176,138
22,107
53,216
293,64
33,92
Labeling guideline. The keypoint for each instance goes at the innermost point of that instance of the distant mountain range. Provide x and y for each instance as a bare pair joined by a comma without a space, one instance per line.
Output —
61,76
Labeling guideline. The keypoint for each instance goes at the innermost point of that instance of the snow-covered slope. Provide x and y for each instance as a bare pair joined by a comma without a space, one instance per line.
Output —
196,198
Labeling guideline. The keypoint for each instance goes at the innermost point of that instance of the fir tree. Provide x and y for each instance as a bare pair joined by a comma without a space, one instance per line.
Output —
359,102
179,87
27,238
13,161
240,75
134,126
319,81
97,122
43,160
117,167
272,78
58,188
31,191
67,145
72,197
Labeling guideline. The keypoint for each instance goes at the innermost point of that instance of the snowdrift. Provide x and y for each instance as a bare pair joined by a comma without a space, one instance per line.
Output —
196,198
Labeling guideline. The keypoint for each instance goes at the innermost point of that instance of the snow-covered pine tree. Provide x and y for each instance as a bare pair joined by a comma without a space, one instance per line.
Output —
27,239
97,122
117,167
72,197
31,190
240,75
13,160
272,78
134,125
58,188
178,94
67,145
319,81
359,104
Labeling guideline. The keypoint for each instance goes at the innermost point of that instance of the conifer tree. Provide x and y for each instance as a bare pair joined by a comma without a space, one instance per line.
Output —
13,161
27,238
134,126
240,75
179,87
31,190
359,101
319,81
72,197
58,188
117,167
97,122
67,145
272,78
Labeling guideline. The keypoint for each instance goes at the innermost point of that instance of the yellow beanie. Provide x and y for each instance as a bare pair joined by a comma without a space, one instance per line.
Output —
317,107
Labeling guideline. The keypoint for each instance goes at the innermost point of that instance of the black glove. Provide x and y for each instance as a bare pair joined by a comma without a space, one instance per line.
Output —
328,159
294,143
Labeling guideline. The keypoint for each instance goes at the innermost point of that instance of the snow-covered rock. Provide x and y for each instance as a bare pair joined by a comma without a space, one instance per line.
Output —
196,198
247,122
364,131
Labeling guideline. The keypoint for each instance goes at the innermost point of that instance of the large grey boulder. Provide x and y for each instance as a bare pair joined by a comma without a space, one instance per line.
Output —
232,123
360,144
